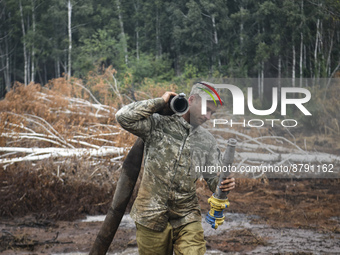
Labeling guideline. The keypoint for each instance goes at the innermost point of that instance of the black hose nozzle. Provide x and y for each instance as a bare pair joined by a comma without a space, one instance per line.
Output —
179,104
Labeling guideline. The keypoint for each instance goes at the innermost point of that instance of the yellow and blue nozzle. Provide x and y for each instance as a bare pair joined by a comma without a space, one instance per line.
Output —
215,216
219,201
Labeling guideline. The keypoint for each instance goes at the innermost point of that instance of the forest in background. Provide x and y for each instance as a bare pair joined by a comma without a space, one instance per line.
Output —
168,41
66,66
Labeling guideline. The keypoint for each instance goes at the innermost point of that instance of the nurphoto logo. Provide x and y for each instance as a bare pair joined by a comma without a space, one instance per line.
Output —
238,108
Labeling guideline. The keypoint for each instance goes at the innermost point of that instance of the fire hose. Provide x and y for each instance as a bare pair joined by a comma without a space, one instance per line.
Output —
219,200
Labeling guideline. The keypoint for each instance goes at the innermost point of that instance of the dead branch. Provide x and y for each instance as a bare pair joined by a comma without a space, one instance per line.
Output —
42,153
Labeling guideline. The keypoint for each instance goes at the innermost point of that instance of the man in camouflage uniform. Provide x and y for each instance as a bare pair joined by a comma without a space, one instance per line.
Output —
166,210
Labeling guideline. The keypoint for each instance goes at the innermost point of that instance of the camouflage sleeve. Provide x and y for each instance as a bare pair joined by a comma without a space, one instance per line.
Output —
135,117
214,159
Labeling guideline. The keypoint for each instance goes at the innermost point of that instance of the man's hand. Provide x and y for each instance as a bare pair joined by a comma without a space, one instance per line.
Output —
228,184
167,96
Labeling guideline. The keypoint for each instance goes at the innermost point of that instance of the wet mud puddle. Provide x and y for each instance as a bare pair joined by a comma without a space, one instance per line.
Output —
263,238
240,234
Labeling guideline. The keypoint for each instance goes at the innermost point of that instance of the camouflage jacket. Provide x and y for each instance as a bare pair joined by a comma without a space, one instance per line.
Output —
172,150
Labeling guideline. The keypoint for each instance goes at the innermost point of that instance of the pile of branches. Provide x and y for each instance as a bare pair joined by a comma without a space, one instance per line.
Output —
61,148
39,123
60,151
261,149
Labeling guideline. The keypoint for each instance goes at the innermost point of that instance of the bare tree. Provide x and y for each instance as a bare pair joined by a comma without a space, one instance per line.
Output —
33,50
301,48
137,6
24,42
293,66
69,8
122,31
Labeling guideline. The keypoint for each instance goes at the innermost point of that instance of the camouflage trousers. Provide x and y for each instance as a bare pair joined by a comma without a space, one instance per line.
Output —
184,240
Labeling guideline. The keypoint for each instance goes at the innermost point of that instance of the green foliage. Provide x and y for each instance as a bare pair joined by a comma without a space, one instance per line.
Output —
171,40
149,66
99,49
190,71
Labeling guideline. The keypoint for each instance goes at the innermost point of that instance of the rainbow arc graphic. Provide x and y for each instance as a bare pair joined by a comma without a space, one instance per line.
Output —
209,93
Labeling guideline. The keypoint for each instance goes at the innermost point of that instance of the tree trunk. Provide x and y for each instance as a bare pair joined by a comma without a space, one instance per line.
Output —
55,68
241,30
4,56
65,67
279,76
279,67
321,51
24,44
311,65
33,50
301,47
58,68
262,79
45,73
137,42
122,31
301,59
316,48
259,83
28,65
28,25
305,56
70,39
41,81
328,64
293,66
7,72
137,29
216,40
158,41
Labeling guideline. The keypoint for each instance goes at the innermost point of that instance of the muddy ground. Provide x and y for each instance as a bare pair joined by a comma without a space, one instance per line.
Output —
265,217
43,203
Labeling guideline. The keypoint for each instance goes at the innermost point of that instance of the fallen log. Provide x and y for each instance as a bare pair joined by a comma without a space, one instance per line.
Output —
42,153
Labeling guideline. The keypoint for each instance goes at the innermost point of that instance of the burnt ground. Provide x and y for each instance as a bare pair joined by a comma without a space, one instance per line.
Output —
285,206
